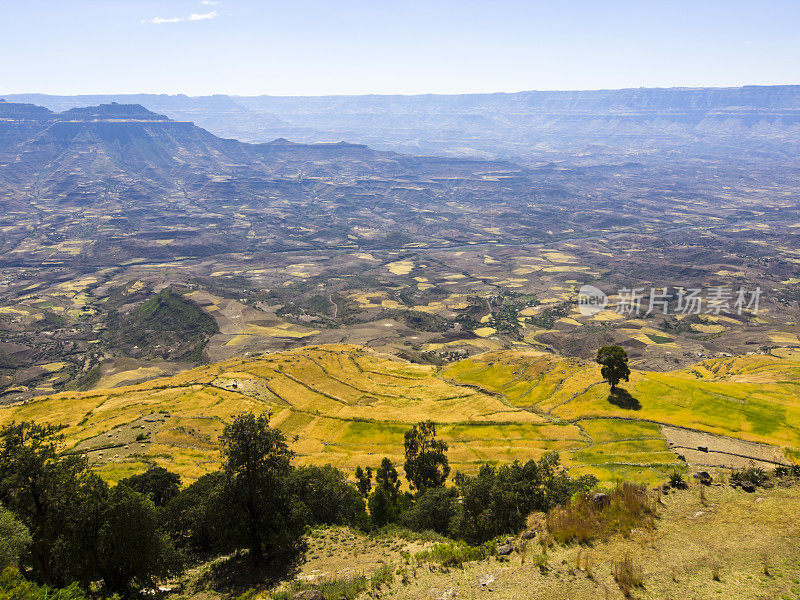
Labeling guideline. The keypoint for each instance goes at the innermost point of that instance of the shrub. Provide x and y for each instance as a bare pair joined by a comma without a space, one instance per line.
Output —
627,575
753,475
676,480
383,575
433,510
345,588
327,495
540,560
14,587
455,554
585,518
14,539
409,535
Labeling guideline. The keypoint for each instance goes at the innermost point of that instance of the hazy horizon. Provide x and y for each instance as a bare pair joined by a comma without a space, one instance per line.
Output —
232,95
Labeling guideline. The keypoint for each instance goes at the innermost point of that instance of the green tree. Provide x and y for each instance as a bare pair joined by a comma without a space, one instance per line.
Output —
383,501
433,510
613,361
156,483
256,468
14,539
327,495
39,486
426,457
193,520
76,554
497,500
364,481
131,549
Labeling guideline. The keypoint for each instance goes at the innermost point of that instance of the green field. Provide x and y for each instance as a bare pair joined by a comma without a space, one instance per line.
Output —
349,406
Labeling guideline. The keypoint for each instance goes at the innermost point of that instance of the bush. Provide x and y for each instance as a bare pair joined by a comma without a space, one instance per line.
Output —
627,575
676,480
455,554
14,587
14,539
383,575
328,497
346,588
753,475
433,510
587,517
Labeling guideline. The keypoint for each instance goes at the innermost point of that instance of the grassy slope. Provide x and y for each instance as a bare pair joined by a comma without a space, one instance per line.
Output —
734,531
349,406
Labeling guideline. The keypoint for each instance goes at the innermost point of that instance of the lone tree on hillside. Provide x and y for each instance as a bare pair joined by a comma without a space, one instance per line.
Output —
613,362
426,457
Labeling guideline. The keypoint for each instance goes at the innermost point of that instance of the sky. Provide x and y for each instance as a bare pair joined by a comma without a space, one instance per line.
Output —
316,47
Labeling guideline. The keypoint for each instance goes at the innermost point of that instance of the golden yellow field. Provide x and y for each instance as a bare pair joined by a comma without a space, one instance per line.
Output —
349,406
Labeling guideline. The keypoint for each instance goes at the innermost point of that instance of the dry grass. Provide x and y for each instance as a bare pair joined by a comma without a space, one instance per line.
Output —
673,561
627,575
588,517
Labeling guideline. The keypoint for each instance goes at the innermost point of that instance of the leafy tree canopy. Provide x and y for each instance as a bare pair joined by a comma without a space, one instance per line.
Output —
613,361
426,457
156,483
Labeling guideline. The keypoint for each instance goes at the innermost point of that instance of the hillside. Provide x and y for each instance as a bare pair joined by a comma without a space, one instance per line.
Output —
349,406
167,326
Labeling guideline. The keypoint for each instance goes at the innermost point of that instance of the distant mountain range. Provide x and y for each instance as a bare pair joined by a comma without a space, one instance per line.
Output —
120,181
579,126
127,178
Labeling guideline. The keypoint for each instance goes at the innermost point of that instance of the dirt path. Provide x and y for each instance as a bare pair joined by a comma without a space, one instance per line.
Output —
721,451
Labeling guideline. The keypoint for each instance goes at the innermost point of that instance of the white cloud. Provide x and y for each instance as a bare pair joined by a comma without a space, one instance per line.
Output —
209,2
159,20
192,17
203,16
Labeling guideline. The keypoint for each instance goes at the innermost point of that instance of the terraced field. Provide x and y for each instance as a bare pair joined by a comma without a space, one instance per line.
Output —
349,406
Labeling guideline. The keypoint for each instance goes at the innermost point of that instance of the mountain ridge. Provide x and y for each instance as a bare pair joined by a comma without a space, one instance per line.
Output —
526,126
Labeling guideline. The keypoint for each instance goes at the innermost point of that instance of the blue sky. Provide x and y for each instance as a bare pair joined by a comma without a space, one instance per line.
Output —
310,47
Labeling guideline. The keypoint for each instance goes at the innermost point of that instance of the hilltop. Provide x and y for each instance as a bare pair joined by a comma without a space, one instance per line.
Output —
350,406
